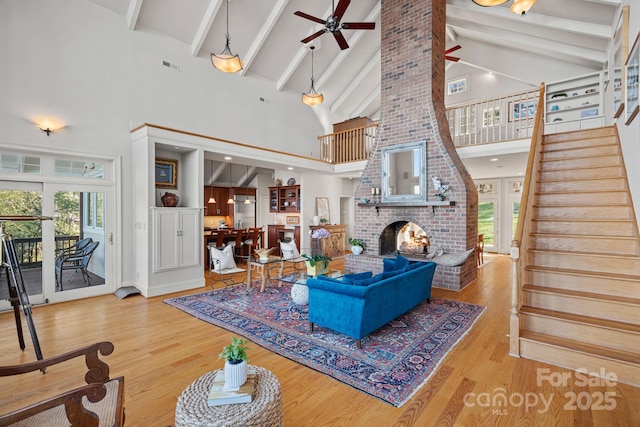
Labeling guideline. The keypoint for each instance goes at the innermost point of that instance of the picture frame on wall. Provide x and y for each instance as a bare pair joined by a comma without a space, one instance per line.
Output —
620,52
632,83
166,172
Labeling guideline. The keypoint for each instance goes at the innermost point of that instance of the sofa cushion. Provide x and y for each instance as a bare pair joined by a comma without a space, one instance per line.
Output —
413,265
387,274
368,281
335,280
357,276
401,262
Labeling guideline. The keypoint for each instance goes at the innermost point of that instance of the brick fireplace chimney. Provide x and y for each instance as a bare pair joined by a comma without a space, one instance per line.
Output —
412,109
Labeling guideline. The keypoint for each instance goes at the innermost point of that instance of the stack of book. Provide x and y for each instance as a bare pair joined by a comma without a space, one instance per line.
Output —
218,395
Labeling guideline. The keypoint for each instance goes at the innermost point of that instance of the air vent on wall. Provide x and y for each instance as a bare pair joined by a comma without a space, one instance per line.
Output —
170,65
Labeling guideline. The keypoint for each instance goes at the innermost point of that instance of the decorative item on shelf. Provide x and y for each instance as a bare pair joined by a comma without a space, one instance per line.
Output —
263,254
291,181
357,246
278,182
555,108
441,189
170,200
286,203
316,220
559,95
235,367
365,200
323,221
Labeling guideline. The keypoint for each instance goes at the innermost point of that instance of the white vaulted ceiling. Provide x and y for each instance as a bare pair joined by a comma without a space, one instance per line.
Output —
266,34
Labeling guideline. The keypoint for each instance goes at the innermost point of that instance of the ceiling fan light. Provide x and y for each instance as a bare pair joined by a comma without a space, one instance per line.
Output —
488,3
521,7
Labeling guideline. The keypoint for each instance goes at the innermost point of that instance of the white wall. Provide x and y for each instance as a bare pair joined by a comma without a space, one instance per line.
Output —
77,62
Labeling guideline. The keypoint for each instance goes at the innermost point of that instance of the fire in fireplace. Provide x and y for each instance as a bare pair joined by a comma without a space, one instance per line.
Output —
404,237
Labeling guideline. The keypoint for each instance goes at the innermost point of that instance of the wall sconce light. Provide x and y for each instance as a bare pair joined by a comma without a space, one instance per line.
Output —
48,125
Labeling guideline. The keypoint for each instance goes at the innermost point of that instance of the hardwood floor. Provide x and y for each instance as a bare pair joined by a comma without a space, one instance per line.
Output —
161,350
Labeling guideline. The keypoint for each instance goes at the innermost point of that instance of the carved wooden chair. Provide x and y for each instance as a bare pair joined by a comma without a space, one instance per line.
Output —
99,403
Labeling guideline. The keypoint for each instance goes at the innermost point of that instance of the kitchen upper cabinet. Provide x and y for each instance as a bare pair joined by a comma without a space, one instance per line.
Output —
220,207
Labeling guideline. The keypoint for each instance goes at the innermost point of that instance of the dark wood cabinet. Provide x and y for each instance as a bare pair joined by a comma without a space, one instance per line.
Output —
220,207
284,199
279,232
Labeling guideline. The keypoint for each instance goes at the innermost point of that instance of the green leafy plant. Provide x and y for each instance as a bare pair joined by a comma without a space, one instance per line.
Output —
317,258
356,242
235,352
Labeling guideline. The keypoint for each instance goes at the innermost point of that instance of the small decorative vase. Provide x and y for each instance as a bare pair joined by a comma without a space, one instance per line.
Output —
235,374
356,250
170,200
316,220
264,253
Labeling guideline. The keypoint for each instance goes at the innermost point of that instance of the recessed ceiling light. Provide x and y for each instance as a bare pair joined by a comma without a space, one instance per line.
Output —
290,168
495,159
520,173
227,158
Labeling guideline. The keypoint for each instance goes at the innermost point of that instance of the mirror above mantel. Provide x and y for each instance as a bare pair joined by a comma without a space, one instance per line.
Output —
404,173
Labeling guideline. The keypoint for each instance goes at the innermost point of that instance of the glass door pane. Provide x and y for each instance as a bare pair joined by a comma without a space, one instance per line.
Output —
23,199
80,240
515,211
486,223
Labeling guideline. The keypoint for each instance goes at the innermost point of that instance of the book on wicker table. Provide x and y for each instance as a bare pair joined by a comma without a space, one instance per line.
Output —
219,396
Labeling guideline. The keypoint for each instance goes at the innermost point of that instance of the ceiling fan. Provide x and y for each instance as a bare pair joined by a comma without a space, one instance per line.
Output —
452,49
332,24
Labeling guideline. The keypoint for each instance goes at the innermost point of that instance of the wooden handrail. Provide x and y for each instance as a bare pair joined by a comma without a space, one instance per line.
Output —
520,245
351,145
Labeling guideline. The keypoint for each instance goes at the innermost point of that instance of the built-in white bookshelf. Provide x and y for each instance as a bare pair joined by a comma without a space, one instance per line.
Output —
574,104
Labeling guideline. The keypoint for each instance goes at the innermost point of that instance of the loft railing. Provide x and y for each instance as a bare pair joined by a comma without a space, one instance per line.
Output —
520,245
351,145
500,119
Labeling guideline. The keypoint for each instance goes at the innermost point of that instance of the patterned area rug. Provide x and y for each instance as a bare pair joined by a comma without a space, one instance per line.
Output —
395,361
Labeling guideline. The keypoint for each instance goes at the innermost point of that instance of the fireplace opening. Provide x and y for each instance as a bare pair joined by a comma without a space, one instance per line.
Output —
406,238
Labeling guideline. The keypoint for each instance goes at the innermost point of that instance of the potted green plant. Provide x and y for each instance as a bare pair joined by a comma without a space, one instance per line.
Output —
316,264
235,367
357,246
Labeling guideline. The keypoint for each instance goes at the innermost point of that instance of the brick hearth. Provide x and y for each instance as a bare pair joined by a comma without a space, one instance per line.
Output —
413,110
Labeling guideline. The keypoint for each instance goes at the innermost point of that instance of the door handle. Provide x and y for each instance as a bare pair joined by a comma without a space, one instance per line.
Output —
111,238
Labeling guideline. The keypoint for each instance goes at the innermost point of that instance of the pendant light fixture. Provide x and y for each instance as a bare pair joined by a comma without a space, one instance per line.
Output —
312,97
211,199
247,201
489,3
226,61
230,201
522,6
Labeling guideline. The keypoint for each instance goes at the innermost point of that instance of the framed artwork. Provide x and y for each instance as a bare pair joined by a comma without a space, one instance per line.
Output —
457,86
620,52
166,173
522,110
293,219
322,207
632,83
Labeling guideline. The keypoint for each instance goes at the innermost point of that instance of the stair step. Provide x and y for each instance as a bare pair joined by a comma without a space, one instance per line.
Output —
584,281
575,354
597,263
586,162
579,152
583,198
583,173
591,184
585,226
582,303
580,135
578,143
591,330
583,243
610,212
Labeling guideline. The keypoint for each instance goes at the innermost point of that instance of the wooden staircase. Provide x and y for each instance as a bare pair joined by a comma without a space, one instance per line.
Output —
580,300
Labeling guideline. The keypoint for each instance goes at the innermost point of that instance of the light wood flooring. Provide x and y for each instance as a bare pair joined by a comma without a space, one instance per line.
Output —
160,350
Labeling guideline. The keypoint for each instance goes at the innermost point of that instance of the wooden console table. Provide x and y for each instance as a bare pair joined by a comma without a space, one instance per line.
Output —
333,246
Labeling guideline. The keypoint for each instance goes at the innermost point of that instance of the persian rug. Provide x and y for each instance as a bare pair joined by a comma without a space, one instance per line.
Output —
395,361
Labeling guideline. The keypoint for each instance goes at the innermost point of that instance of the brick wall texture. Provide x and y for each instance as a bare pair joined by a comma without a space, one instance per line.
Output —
412,109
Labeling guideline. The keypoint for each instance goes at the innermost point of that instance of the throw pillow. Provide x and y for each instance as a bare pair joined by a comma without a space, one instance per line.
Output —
358,276
369,281
289,250
413,266
401,262
222,259
331,279
387,274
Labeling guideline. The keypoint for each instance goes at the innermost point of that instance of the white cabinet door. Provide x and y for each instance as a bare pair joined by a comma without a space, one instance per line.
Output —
177,238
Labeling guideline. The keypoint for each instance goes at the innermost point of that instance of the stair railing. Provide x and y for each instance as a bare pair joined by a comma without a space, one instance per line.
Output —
520,242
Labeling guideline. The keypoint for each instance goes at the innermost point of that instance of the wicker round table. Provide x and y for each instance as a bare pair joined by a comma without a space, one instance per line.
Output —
265,409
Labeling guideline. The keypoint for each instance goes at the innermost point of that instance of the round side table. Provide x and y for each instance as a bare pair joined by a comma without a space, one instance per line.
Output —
300,293
265,409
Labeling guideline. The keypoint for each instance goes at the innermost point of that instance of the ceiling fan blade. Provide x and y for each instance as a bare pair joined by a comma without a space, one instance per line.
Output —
358,25
451,58
453,49
309,17
313,36
341,9
342,42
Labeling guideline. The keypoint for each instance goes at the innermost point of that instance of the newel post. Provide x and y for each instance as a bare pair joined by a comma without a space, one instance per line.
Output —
514,318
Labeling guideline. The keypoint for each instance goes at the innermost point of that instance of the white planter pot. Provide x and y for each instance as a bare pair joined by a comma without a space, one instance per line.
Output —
316,220
235,374
356,250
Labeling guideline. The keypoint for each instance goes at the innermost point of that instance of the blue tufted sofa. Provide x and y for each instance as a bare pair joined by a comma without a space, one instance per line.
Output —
359,304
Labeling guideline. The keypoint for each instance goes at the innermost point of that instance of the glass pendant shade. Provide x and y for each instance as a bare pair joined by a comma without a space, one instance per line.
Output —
226,61
312,97
212,200
488,3
230,201
522,6
247,201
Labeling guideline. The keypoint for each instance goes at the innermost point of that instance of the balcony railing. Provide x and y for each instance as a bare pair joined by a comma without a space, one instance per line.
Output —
29,250
352,145
501,119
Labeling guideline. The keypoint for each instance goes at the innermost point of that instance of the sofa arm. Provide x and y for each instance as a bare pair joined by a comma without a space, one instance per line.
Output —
337,288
